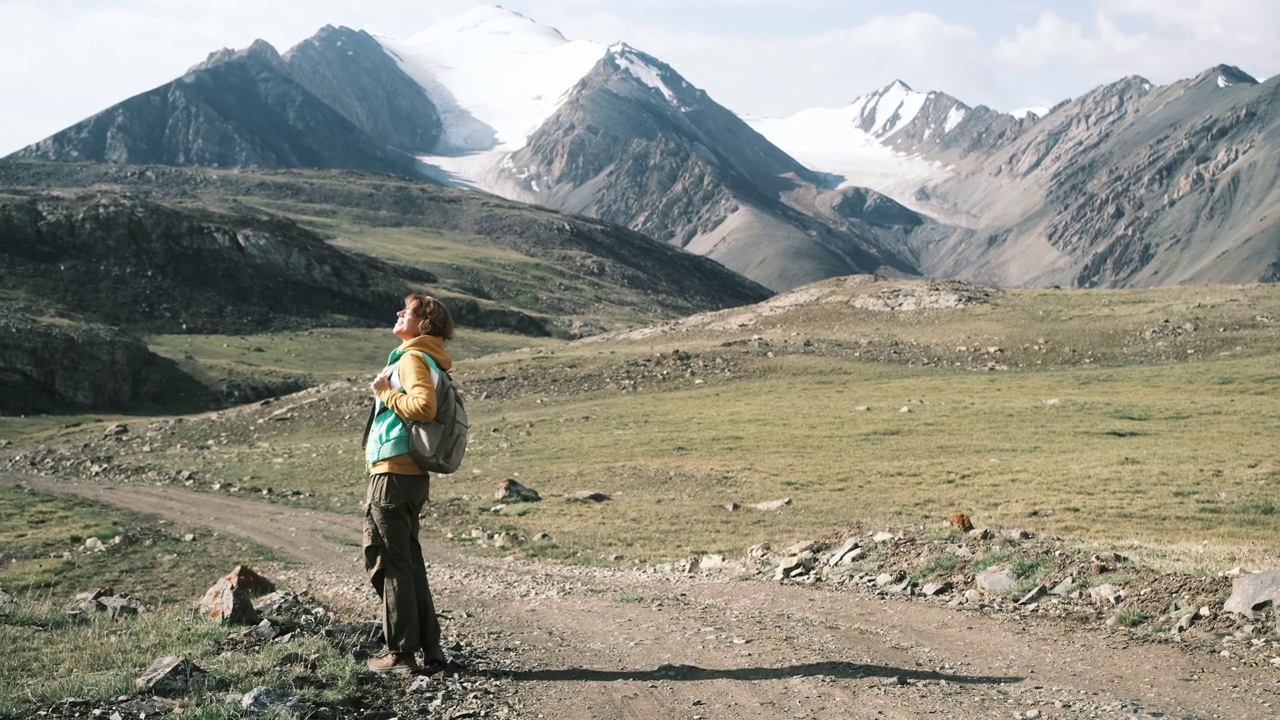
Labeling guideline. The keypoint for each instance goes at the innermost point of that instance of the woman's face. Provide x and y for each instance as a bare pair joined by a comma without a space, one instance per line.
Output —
407,326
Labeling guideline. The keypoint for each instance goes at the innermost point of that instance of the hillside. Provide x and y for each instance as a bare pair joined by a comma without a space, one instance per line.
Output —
206,252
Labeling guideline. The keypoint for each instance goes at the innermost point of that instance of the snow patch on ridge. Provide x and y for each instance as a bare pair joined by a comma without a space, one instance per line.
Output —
831,141
642,71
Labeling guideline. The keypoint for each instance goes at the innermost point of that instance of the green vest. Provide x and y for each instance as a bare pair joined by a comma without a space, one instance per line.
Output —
388,437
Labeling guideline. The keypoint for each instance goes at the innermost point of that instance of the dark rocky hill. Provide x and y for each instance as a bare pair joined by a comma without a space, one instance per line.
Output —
351,72
48,366
249,109
179,250
672,282
126,260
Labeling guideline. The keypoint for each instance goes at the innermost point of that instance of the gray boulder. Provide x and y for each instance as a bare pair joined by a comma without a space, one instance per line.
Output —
173,676
1253,594
996,579
512,491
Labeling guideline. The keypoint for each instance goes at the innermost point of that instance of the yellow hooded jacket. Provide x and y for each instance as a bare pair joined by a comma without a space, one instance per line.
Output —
412,396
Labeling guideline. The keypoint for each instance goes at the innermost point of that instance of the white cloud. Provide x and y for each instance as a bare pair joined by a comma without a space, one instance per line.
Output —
1162,40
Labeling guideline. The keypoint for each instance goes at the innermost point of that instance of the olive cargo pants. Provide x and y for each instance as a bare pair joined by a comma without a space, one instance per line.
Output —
393,559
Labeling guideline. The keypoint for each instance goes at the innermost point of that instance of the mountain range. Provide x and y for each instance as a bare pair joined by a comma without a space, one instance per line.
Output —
1131,184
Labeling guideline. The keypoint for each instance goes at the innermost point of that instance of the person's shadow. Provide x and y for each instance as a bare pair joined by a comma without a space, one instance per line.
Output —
833,668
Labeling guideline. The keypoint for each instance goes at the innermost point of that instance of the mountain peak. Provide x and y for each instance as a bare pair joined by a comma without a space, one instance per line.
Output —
259,50
653,73
888,109
1226,76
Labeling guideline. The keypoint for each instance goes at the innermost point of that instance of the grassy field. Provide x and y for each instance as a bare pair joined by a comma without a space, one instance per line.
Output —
1126,455
1139,419
52,655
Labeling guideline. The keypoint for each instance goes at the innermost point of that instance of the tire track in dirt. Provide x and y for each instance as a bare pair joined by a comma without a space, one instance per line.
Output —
577,642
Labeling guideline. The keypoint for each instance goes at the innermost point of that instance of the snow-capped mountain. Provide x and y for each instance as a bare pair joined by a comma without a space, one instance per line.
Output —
1128,184
613,133
854,143
636,144
886,139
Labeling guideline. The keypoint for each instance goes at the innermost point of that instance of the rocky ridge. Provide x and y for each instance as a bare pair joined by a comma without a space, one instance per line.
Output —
1129,185
43,368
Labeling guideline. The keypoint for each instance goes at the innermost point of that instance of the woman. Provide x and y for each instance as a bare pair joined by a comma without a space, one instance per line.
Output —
398,488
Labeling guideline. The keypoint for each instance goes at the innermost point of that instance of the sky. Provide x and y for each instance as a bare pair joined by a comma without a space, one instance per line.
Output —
63,60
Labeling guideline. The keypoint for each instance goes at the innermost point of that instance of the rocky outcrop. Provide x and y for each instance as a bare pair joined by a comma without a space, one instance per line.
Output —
123,259
350,72
48,366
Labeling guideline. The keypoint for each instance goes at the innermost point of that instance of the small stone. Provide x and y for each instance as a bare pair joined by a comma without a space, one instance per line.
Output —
1064,588
590,496
933,589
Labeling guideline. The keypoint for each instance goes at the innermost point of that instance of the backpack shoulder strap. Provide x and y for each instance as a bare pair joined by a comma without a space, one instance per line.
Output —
436,367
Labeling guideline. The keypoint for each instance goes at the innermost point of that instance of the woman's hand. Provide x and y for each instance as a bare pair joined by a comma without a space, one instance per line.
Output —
379,384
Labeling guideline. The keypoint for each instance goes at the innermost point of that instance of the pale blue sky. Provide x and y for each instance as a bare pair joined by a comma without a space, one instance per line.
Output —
63,60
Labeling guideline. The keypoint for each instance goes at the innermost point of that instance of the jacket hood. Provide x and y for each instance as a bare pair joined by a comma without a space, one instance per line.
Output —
429,344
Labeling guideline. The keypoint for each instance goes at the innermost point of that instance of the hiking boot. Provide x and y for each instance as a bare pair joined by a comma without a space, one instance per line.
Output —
435,656
394,663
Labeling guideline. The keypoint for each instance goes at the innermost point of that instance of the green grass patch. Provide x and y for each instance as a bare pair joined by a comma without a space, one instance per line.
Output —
44,564
98,658
43,551
990,559
935,566
1131,617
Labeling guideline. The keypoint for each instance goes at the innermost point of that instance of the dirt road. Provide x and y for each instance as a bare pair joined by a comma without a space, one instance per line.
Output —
573,642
